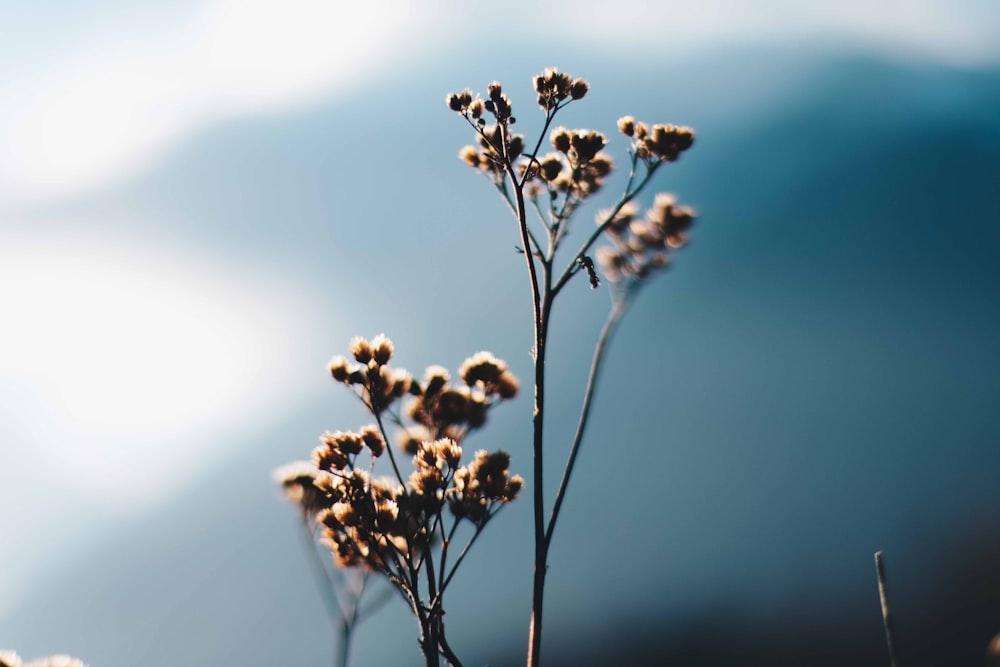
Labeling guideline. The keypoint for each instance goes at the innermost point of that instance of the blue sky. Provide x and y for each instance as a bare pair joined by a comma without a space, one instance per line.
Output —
180,244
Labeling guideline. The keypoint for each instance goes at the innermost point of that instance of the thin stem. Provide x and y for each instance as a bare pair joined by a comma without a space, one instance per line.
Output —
461,556
327,584
618,311
388,446
629,195
374,605
445,545
883,593
345,642
541,548
550,115
446,649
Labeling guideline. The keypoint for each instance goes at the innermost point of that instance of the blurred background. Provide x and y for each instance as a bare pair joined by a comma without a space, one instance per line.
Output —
202,202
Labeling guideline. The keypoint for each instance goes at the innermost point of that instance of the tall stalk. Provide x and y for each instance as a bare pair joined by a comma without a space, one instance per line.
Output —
569,177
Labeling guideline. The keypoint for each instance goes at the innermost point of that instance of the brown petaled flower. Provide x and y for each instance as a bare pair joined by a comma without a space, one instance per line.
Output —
507,385
560,139
620,222
409,439
491,473
550,166
642,247
585,144
435,377
372,437
589,178
426,456
476,109
447,451
298,481
386,513
426,482
491,140
459,101
326,457
381,349
611,262
340,368
452,406
471,156
498,104
361,349
668,141
481,367
346,441
346,514
671,219
554,86
626,125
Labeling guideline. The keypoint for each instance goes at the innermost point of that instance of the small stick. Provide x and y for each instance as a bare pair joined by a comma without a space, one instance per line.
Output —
883,593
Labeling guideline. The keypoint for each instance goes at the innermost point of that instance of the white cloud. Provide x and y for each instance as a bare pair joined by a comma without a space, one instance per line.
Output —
88,115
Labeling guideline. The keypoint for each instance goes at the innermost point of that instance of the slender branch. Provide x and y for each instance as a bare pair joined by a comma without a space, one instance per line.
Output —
550,115
461,556
629,195
327,584
374,605
449,654
445,545
522,222
344,642
618,311
883,593
388,446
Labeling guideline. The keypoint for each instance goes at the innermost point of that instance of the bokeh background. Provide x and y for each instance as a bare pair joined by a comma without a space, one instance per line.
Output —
201,202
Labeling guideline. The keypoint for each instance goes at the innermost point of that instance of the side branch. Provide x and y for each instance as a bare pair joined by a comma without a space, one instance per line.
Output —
883,593
607,332
630,194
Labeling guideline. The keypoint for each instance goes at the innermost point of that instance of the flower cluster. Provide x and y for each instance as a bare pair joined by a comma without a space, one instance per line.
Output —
661,143
553,87
641,246
443,409
12,659
587,167
385,524
489,155
380,385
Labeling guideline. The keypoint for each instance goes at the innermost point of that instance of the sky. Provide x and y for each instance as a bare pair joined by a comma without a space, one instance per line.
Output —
155,326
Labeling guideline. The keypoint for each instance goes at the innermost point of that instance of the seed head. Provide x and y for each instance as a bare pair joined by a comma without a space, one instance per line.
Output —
329,458
381,349
561,139
361,349
340,368
459,101
372,437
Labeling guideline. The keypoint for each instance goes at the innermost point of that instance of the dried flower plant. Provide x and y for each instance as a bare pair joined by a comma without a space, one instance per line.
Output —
393,527
405,529
554,186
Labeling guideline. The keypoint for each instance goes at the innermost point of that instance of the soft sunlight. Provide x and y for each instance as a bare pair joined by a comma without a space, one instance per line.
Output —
80,118
118,358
